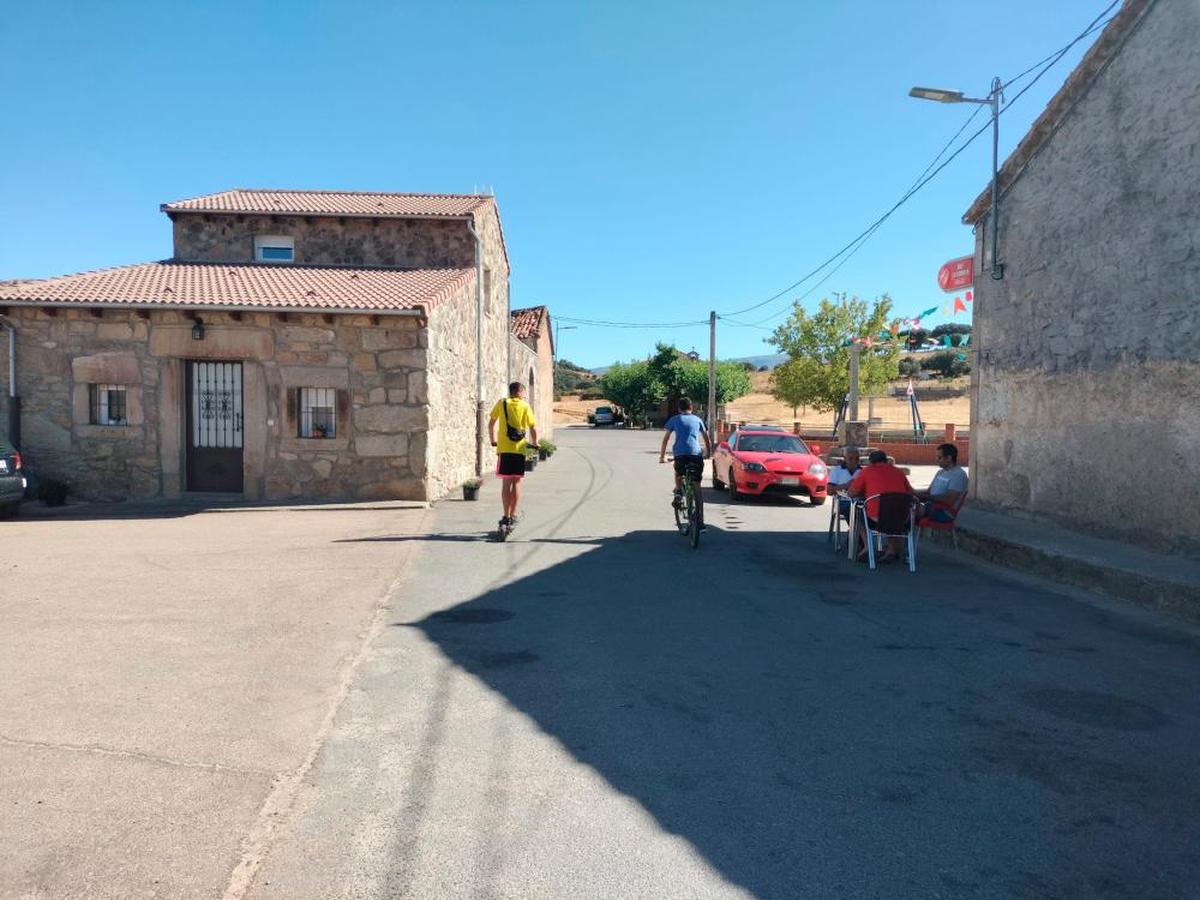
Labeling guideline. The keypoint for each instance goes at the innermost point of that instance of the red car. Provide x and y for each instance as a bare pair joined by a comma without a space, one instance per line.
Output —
757,462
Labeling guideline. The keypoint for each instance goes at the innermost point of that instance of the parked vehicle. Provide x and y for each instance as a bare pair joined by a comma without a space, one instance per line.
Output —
604,416
756,462
12,480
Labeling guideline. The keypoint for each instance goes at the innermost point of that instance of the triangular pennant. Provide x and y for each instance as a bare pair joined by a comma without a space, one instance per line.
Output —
928,312
959,306
962,357
966,339
947,341
970,296
895,328
946,310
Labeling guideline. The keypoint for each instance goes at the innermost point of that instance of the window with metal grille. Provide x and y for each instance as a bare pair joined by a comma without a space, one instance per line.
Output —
318,412
108,404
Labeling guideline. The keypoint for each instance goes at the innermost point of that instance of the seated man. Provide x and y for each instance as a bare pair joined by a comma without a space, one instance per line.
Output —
947,489
880,477
841,476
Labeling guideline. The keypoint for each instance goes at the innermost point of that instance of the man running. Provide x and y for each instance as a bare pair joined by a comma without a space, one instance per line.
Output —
517,420
689,458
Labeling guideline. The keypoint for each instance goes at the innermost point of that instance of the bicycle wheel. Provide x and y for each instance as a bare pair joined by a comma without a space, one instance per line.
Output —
681,520
693,521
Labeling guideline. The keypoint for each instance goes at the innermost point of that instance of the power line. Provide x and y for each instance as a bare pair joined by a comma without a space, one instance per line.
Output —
924,179
847,251
600,323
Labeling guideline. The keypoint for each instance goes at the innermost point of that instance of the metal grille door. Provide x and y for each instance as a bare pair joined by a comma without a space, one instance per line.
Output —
214,405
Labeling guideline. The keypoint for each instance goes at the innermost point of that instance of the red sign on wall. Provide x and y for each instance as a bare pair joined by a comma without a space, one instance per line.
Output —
957,274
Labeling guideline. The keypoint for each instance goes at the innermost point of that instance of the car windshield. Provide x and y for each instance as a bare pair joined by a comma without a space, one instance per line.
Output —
771,443
604,409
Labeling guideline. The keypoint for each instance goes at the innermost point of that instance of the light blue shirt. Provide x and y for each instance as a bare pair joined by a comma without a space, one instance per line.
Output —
687,429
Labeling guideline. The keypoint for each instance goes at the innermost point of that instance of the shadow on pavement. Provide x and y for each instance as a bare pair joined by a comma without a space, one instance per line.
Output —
815,729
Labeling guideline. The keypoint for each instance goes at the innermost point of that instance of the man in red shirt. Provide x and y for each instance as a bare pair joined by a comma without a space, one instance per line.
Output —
880,477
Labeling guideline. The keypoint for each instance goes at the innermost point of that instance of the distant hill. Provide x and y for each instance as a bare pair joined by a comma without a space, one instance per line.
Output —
769,360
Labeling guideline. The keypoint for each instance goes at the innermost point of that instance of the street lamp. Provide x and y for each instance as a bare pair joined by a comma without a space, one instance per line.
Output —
557,328
941,95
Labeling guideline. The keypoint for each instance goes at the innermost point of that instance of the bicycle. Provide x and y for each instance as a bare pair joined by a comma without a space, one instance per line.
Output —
688,519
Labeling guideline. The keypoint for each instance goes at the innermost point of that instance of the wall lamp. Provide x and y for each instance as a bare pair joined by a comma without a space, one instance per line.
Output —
198,329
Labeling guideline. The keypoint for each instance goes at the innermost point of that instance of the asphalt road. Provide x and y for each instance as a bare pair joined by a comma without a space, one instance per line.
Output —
594,710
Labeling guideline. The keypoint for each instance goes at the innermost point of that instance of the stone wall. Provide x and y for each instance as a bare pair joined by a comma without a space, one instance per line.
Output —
452,403
379,451
1087,382
327,240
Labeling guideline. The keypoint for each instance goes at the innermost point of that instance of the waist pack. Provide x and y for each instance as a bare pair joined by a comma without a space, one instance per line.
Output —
514,434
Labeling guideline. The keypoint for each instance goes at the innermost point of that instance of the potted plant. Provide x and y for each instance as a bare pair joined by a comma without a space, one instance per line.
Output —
471,489
531,460
546,450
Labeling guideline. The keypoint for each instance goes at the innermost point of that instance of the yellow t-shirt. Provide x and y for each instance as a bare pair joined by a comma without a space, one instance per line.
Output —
520,416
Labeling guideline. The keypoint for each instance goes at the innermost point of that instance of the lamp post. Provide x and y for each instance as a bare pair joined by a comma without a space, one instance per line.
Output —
940,95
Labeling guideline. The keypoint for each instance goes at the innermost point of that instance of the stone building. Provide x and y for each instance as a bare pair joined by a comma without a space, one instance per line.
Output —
533,343
298,344
1087,384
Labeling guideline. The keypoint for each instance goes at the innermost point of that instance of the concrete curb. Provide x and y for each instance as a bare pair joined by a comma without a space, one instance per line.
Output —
1142,588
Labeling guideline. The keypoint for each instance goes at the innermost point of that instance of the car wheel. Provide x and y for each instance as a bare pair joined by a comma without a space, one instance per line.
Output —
816,501
717,482
734,493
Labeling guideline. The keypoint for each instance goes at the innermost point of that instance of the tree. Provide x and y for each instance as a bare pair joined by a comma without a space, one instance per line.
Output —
796,382
910,366
633,387
822,339
950,328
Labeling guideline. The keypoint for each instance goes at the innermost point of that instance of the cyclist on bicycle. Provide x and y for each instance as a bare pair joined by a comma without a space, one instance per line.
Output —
689,458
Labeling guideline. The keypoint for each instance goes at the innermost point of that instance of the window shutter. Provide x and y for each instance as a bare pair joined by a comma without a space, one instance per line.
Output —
293,399
343,410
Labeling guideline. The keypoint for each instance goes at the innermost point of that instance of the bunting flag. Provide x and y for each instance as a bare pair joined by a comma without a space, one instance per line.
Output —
966,339
947,341
927,313
959,306
962,357
970,296
946,310
895,329
885,335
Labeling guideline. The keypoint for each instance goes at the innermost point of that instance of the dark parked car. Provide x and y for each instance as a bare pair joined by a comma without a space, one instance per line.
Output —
12,481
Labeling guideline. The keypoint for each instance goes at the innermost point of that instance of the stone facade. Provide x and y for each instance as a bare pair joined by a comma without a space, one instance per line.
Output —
405,385
533,363
327,240
378,371
1087,384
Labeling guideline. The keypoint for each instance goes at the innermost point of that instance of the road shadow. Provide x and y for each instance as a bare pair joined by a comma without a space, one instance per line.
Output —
812,728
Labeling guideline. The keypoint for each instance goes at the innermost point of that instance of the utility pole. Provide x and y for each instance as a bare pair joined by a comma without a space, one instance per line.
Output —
710,419
852,411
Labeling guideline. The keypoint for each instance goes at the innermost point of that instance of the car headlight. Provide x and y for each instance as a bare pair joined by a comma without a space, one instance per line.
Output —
816,469
755,467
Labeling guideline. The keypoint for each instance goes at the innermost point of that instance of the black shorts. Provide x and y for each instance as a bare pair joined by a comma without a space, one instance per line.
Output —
693,465
511,465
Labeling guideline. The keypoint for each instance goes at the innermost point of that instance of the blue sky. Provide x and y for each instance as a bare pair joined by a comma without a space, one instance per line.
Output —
652,160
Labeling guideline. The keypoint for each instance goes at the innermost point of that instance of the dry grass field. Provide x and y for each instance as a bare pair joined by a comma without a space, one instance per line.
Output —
760,406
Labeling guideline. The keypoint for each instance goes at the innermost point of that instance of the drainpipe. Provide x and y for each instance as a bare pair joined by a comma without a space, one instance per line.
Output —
478,348
14,402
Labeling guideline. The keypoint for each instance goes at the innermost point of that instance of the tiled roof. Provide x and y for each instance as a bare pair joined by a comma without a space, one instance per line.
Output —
1095,61
245,287
527,322
332,203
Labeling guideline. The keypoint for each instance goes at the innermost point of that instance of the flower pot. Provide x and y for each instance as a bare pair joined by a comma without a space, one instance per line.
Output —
470,493
543,455
530,463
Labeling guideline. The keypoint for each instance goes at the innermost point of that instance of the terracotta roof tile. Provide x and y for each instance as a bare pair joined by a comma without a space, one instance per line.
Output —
332,203
527,322
245,287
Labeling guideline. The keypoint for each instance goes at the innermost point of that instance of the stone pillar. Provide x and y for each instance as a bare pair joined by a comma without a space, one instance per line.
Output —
949,434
